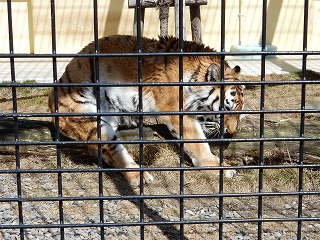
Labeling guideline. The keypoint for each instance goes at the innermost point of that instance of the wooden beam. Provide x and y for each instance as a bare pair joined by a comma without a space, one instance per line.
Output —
153,3
135,25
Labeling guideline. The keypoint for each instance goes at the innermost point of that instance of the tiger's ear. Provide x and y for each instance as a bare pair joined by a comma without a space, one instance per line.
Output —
212,74
237,69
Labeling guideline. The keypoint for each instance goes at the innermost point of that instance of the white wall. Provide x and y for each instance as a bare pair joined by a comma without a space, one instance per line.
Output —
74,23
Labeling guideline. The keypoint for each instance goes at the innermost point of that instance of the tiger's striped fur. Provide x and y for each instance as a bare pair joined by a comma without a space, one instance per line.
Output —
124,99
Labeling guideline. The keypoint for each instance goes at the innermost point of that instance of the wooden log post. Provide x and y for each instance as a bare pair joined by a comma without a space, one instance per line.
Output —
194,16
195,23
163,7
177,18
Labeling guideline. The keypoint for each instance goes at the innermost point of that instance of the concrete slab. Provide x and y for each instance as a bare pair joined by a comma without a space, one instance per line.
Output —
41,70
278,65
38,69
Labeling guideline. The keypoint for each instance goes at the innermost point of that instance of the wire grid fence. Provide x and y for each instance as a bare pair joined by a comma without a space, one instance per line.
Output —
178,227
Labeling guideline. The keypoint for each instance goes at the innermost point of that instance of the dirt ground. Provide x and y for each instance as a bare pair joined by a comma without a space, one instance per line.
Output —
240,205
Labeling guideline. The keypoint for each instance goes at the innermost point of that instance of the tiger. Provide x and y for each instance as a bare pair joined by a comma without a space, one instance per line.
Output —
120,96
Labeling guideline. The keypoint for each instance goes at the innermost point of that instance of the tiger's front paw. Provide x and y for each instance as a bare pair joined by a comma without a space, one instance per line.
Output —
230,173
226,173
134,178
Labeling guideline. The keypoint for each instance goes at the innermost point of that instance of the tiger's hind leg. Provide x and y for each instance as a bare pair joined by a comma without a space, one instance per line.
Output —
115,154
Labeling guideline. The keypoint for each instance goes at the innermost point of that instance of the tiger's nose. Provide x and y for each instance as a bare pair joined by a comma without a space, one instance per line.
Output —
232,123
232,130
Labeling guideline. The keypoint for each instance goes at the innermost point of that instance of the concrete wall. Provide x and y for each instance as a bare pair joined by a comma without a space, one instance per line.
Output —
74,23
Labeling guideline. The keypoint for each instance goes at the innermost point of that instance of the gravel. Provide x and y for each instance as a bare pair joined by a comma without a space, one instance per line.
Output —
122,211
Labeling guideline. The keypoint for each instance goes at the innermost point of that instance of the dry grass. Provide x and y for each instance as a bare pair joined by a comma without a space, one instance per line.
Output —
33,99
166,155
284,96
30,99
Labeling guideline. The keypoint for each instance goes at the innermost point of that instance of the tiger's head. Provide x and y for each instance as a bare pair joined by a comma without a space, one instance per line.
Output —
206,97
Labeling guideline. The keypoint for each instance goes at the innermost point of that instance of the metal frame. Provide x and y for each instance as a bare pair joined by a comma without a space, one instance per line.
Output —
60,199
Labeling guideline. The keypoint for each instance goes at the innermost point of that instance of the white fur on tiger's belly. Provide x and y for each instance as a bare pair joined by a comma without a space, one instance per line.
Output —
125,99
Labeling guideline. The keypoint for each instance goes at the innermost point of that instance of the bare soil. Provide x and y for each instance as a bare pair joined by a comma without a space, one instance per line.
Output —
201,187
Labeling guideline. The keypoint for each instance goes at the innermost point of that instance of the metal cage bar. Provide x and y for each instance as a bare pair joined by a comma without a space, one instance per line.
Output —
57,132
302,116
140,200
139,14
221,146
15,119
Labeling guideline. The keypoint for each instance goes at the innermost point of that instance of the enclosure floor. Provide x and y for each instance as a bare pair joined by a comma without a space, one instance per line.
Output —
41,69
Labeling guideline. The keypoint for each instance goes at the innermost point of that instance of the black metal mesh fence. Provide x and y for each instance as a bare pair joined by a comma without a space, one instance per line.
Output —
42,201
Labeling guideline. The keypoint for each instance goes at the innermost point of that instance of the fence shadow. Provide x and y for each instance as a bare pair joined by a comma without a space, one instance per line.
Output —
34,130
